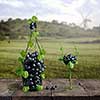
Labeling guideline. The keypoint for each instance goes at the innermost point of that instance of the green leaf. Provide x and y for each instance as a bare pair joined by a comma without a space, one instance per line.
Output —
19,71
20,59
23,53
30,43
29,21
40,57
35,34
42,51
71,65
61,49
34,19
60,59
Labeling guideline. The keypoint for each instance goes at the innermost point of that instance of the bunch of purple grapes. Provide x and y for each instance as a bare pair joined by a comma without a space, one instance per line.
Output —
33,25
68,58
35,68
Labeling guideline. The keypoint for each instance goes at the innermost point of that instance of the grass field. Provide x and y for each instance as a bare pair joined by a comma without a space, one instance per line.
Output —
88,60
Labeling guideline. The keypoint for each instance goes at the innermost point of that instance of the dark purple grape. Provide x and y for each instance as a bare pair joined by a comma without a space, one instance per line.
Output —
34,67
68,58
32,26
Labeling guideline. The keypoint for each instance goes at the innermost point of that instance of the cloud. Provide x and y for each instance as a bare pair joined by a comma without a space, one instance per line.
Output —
63,6
61,10
94,2
60,18
14,3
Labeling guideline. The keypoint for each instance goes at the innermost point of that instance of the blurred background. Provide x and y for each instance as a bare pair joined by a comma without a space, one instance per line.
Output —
62,23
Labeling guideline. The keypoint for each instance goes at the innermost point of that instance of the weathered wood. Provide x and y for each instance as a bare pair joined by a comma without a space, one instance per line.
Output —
85,87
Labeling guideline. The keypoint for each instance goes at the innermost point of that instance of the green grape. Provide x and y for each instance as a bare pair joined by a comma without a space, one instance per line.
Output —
25,88
39,87
25,74
43,76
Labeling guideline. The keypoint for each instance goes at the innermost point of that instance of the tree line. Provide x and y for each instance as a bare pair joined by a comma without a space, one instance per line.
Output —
18,28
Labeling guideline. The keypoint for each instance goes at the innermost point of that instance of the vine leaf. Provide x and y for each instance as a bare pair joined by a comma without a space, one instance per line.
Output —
61,49
23,53
71,65
30,43
35,34
19,71
29,21
20,59
40,56
42,51
34,19
60,58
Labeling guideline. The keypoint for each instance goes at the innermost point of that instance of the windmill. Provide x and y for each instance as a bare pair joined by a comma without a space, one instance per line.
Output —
85,20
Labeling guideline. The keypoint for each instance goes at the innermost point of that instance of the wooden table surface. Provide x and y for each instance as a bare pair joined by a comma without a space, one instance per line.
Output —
82,87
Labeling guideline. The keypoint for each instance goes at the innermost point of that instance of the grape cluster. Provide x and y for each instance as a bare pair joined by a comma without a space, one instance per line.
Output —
51,87
33,25
35,69
68,58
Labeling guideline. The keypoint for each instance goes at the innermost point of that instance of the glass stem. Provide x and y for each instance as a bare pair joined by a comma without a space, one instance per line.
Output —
70,80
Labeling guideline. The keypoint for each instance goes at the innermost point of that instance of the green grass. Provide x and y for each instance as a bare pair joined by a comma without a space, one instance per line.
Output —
89,57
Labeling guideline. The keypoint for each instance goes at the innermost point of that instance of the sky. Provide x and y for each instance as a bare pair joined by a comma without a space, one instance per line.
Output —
70,11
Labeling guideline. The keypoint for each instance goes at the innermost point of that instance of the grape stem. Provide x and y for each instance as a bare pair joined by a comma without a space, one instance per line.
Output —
37,43
70,80
36,40
30,37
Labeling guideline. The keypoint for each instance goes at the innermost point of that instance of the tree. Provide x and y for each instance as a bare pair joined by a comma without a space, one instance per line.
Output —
54,21
10,19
